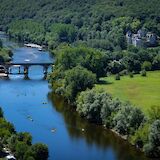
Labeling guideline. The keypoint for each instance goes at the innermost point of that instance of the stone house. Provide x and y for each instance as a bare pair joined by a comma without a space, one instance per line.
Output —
142,38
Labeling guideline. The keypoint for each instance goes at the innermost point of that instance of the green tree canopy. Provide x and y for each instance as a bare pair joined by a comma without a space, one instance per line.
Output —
93,60
76,80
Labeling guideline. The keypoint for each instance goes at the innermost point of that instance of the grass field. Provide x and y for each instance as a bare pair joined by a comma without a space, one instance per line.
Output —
141,91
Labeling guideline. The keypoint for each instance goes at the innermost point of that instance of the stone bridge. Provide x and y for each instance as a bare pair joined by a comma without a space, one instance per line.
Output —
6,68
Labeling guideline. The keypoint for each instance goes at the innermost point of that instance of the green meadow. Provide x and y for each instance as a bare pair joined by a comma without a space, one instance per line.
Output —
143,92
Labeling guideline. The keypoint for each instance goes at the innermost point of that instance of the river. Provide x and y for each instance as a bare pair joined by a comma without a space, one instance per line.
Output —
22,98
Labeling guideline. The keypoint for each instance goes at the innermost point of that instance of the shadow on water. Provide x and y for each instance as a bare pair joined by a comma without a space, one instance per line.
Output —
93,134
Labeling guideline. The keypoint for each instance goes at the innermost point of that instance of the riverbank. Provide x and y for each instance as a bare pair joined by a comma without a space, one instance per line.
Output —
96,132
19,145
76,72
123,119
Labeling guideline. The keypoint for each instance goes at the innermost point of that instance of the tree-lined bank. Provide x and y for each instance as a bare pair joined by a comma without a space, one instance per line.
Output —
19,144
78,69
5,54
99,24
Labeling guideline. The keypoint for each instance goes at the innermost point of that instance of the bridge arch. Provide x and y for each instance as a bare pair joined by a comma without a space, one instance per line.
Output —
3,69
23,68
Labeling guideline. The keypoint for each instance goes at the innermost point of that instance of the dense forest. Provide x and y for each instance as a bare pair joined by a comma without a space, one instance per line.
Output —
97,23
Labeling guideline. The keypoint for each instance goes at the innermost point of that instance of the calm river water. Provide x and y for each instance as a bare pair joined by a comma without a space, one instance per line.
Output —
21,98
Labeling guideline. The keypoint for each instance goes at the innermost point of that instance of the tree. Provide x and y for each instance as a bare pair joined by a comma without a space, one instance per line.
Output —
25,137
146,66
63,32
27,30
143,73
154,136
5,55
128,119
76,80
140,138
20,150
40,151
97,106
131,61
156,62
12,141
154,113
109,109
116,66
93,60
152,148
117,76
89,104
131,75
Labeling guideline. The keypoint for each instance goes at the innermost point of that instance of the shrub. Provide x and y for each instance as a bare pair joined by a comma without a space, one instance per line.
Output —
154,113
148,149
140,138
89,104
152,148
146,66
131,75
77,79
143,73
117,77
40,151
25,137
11,141
128,120
109,110
21,148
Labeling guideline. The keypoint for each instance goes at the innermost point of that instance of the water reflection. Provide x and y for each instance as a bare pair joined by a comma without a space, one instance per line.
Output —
94,135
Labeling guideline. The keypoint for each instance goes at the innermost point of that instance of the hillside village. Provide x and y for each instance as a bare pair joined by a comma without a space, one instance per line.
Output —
142,38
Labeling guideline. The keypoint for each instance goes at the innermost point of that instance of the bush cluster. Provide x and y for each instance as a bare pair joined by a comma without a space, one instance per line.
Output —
5,54
123,118
100,107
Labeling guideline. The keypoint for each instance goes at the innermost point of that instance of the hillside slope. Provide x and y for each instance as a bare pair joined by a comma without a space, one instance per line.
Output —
49,11
99,23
